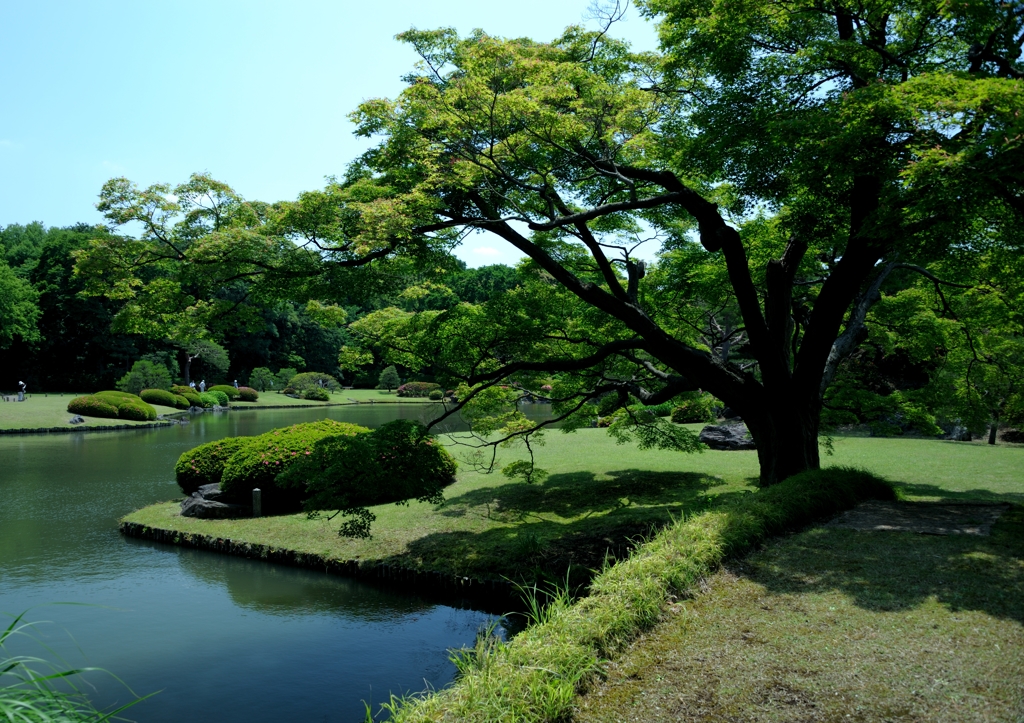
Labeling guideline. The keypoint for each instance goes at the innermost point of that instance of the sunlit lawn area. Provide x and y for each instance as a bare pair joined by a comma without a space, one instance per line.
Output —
598,494
51,410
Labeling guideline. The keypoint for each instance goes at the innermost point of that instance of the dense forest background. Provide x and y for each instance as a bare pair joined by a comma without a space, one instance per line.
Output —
61,340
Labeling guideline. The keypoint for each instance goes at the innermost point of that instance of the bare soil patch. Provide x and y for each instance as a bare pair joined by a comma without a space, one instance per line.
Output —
927,518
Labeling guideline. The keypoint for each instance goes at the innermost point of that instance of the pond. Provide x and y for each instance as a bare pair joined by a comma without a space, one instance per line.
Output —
222,638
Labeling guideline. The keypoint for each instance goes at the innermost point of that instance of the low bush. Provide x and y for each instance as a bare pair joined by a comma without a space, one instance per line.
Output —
537,675
92,406
158,396
314,380
316,394
230,391
109,394
138,411
129,406
181,402
437,395
190,394
209,399
694,407
269,454
396,462
204,465
221,397
247,394
417,389
290,391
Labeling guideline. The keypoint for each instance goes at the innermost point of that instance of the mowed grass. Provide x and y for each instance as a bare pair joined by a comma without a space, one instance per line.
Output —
838,625
598,499
51,410
345,396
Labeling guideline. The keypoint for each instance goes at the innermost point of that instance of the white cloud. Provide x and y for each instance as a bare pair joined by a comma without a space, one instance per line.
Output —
486,251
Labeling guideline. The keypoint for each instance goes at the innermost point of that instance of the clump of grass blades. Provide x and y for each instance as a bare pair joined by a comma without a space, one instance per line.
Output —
537,675
28,686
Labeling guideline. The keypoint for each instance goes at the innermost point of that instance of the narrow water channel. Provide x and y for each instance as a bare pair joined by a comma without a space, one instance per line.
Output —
222,638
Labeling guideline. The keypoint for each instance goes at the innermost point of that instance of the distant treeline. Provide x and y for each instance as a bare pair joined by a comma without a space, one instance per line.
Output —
56,339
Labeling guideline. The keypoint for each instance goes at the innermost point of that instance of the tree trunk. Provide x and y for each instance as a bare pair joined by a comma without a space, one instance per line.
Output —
993,430
786,435
188,368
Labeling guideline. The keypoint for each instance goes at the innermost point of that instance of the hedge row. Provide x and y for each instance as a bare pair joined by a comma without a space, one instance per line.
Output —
112,405
231,393
537,675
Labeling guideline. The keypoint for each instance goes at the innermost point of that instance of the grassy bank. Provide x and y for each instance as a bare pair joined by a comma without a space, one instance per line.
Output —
51,410
835,624
598,496
537,676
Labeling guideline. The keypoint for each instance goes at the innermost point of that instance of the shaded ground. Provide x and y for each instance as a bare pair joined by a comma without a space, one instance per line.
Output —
927,518
835,624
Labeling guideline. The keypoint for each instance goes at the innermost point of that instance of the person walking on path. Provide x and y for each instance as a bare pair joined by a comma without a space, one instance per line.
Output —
236,384
21,391
192,384
202,386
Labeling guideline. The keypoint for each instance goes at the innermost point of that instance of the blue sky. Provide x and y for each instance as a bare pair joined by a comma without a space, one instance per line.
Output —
255,93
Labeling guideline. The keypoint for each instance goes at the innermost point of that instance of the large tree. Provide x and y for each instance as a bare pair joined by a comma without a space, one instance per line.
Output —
788,158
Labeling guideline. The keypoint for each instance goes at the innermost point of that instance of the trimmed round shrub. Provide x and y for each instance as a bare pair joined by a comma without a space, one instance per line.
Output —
137,411
92,406
316,394
436,395
209,399
181,402
204,465
417,389
258,463
221,397
247,394
396,462
158,396
290,392
110,394
227,389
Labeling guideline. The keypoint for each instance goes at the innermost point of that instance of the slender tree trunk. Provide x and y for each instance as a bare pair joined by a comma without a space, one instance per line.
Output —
993,430
188,368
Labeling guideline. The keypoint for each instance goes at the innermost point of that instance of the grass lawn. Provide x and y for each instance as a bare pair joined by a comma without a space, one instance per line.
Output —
51,410
345,396
834,624
598,497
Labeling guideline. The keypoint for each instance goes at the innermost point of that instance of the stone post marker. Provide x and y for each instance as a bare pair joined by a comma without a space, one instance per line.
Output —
257,503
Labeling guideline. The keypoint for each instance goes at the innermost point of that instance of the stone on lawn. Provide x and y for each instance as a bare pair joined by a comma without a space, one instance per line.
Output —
727,437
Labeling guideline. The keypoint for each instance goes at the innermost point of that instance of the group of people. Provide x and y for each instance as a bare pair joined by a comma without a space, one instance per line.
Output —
202,386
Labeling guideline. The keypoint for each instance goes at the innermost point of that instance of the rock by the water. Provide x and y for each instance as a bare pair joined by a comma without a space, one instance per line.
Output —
77,419
196,506
727,437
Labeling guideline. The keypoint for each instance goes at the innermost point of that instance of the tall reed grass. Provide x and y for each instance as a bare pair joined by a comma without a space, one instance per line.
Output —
37,690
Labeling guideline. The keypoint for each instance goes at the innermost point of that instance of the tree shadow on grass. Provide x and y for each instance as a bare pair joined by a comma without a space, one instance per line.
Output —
977,495
572,494
894,571
602,520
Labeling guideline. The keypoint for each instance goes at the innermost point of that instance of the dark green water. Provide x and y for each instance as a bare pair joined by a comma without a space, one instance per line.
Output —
223,638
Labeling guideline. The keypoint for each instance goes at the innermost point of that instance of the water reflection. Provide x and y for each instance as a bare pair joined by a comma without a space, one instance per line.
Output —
224,638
